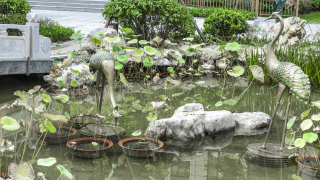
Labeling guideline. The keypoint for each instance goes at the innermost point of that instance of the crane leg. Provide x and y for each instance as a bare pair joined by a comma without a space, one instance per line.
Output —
102,90
97,88
286,121
281,89
108,69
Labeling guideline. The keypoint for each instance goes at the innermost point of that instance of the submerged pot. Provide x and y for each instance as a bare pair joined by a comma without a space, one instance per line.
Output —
84,148
309,165
80,121
58,139
140,147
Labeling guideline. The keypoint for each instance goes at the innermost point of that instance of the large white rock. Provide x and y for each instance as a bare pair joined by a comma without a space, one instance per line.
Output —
192,122
293,31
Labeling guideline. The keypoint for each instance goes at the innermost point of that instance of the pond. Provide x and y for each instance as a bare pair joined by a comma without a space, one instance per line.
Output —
216,157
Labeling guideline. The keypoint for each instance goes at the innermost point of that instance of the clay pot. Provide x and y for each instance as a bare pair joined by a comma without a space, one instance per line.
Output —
132,149
304,165
57,140
83,153
79,125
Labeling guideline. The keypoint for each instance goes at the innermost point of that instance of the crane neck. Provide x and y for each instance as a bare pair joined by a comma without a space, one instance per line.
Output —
271,47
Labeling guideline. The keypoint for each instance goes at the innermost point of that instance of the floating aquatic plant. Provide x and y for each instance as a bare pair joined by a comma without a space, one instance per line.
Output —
47,161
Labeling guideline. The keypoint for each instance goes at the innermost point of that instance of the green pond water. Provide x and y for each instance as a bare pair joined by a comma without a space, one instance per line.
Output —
216,157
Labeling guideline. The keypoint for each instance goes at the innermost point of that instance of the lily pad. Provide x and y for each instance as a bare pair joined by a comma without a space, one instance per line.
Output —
139,52
219,103
151,117
62,98
150,50
315,117
157,39
99,33
257,73
117,65
236,72
9,123
64,172
305,114
126,30
316,103
47,161
188,39
291,122
123,79
191,51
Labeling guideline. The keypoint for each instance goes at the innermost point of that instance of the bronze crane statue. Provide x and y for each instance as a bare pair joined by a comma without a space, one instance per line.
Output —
103,62
289,76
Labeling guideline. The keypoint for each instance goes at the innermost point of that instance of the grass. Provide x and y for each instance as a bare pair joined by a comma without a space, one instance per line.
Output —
312,17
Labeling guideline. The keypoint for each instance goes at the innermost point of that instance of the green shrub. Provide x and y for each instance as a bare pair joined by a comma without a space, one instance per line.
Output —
225,23
165,18
14,6
305,6
56,32
206,12
14,19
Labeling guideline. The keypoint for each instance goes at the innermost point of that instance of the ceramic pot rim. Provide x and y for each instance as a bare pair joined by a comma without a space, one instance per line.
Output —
134,138
304,156
79,122
110,143
63,127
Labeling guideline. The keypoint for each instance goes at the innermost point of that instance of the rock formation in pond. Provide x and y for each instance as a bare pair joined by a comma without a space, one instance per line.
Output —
192,122
293,31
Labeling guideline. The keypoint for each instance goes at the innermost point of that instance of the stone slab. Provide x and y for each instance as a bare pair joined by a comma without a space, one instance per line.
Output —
19,66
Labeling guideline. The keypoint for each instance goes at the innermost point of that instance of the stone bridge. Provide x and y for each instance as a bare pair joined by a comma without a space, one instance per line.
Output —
26,54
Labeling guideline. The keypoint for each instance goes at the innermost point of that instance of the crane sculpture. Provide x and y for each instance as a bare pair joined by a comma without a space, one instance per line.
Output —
289,76
103,62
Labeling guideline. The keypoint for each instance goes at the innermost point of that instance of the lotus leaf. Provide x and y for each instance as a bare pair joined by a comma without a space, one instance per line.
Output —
143,42
219,103
21,171
221,63
170,69
236,72
191,51
291,122
122,58
47,161
34,89
310,137
188,39
33,103
233,46
306,124
9,123
118,49
117,65
136,133
99,33
116,39
316,103
195,46
126,30
123,79
64,172
46,98
57,118
305,114
147,62
139,52
96,41
150,50
299,142
151,117
315,117
20,94
295,177
133,41
157,39
257,73
77,36
62,98
47,125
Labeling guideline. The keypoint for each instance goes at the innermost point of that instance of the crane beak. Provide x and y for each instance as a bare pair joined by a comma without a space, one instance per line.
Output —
268,18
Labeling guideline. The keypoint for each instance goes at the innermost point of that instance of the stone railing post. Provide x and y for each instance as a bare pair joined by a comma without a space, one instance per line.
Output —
34,35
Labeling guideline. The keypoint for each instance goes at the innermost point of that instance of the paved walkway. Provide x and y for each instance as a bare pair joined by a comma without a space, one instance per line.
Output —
88,21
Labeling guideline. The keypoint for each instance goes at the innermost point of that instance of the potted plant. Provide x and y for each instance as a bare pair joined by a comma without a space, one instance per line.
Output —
89,147
309,163
140,147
